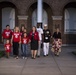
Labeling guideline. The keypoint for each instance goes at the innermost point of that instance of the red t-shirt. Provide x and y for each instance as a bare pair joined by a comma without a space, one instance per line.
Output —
7,34
8,47
16,36
36,36
24,40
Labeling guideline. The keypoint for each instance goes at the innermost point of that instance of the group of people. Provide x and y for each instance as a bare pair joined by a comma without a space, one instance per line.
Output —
37,38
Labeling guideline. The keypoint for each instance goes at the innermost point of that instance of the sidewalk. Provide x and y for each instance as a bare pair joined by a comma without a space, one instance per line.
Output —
65,64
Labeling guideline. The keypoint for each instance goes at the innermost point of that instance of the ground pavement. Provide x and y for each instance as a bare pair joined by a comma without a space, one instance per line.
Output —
65,64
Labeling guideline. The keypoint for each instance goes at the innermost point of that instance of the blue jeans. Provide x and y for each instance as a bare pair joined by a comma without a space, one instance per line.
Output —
24,50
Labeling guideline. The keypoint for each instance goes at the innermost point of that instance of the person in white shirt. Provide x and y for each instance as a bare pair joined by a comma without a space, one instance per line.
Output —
40,31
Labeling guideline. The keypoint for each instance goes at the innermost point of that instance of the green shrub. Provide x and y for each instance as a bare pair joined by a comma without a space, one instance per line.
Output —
2,53
74,52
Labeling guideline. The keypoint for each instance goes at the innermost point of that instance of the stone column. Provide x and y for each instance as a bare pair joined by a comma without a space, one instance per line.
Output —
39,12
57,22
22,20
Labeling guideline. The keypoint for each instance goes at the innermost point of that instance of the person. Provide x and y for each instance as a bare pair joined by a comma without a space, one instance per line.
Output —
22,30
22,34
57,42
24,42
34,39
25,31
46,40
7,48
6,34
16,39
40,32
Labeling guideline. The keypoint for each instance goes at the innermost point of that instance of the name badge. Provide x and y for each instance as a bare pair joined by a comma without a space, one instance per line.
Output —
46,37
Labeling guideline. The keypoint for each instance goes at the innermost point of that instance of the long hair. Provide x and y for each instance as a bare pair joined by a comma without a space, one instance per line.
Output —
16,28
35,28
21,27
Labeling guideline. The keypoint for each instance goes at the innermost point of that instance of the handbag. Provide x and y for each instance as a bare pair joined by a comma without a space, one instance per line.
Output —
52,49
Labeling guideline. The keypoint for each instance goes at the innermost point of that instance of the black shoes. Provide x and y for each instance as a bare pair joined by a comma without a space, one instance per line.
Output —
33,57
45,55
38,56
56,55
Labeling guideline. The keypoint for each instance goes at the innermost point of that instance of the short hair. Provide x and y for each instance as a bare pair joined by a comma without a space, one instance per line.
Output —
7,25
25,33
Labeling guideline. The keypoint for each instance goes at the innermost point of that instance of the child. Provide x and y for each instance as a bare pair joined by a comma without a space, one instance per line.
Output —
22,35
16,39
25,30
24,45
7,48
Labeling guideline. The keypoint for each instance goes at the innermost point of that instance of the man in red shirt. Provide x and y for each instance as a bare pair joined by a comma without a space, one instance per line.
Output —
6,34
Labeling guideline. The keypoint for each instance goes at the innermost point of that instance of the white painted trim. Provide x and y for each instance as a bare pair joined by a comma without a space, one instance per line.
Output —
22,17
66,45
57,17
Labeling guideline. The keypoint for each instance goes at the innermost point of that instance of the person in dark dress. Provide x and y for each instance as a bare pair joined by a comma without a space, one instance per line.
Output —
57,42
34,39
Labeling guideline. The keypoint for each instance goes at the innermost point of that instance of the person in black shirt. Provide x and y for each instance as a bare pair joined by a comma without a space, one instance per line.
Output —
57,42
46,40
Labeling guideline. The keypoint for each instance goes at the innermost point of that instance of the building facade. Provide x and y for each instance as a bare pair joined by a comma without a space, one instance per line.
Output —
55,13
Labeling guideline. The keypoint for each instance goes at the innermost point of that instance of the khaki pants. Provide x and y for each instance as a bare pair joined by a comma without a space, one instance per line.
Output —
39,49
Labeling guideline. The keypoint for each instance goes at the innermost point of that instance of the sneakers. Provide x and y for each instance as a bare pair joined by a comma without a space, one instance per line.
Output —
16,57
24,57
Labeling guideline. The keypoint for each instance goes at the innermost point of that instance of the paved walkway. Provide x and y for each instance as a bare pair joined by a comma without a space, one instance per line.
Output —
65,64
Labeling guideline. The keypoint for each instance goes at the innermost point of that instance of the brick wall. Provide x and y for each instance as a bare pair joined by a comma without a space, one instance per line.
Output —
54,8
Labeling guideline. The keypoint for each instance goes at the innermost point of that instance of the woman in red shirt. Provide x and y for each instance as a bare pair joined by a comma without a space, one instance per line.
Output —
16,39
34,39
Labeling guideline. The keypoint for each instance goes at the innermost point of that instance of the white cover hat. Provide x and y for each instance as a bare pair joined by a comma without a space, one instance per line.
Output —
45,24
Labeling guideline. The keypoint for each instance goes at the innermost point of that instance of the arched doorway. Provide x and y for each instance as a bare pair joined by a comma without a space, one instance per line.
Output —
8,17
44,18
32,16
70,18
70,23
